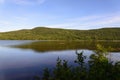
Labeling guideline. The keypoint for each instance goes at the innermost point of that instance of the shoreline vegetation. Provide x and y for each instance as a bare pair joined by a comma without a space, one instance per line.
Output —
44,33
71,40
98,67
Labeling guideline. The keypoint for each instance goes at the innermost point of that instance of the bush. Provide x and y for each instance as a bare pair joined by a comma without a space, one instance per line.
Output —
100,68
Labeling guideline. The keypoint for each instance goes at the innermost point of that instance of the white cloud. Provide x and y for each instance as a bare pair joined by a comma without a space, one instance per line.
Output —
21,18
28,2
5,23
10,26
85,18
2,1
88,22
107,21
24,2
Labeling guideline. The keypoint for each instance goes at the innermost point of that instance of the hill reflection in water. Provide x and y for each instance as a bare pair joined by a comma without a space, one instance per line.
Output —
45,46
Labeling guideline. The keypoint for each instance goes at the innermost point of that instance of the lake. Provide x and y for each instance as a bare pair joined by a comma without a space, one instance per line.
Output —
24,59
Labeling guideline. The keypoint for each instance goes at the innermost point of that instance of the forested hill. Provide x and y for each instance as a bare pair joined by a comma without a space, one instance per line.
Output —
43,33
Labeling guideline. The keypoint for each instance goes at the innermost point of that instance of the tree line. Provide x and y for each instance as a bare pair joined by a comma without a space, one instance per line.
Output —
42,33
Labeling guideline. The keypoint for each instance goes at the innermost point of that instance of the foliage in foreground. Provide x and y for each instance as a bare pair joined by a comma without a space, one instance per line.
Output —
98,68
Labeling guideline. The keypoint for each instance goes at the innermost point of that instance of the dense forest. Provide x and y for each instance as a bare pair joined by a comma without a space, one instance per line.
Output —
43,33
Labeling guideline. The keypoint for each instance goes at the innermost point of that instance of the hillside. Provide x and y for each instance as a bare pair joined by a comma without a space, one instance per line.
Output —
43,33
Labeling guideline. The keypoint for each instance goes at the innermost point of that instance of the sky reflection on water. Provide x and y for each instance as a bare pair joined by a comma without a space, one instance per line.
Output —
22,64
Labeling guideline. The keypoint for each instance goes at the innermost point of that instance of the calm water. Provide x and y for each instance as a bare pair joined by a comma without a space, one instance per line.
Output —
22,60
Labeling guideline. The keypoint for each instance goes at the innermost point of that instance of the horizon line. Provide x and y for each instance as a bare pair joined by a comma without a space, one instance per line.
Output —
55,28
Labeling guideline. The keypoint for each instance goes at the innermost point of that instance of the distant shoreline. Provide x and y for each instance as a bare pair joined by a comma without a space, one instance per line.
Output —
65,40
43,33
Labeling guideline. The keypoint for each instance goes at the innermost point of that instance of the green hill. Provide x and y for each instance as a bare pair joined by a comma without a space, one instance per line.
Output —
43,33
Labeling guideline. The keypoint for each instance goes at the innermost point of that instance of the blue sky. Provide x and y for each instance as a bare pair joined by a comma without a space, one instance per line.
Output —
69,14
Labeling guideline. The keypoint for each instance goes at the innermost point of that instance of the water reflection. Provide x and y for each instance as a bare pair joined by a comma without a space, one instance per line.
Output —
22,61
15,42
43,46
